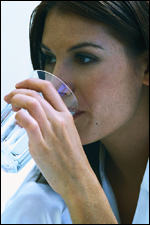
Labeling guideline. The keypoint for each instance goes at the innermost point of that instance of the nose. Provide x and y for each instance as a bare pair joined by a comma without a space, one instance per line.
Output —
64,73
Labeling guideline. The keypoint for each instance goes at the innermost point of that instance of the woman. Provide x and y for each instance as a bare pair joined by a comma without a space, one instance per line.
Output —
94,165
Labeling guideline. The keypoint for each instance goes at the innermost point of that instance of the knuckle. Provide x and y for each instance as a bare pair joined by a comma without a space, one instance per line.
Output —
33,93
62,122
33,126
14,97
67,116
32,104
47,85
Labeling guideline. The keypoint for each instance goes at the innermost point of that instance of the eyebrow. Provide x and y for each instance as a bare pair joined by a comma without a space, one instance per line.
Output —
81,45
43,46
85,44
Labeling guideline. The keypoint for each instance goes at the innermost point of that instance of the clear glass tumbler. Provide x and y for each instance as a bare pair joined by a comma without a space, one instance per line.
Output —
14,139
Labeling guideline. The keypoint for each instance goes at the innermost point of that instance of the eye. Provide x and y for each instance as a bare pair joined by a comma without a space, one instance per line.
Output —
83,58
48,59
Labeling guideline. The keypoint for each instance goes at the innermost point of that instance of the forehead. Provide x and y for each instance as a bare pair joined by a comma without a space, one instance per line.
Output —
70,29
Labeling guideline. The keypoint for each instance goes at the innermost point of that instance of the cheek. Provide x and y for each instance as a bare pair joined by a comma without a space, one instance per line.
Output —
113,97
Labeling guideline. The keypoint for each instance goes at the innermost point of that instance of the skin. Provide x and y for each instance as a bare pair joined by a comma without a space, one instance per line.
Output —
112,91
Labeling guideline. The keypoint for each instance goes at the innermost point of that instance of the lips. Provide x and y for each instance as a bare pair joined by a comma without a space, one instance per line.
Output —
78,113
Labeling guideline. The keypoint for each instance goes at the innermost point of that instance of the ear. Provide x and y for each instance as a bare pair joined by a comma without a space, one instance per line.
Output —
146,76
145,67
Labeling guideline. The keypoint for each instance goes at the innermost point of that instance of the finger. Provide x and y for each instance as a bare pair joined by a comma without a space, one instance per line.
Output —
47,89
49,110
31,93
35,109
31,126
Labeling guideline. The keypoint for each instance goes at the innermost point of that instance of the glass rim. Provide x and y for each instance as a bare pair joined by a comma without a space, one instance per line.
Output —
57,79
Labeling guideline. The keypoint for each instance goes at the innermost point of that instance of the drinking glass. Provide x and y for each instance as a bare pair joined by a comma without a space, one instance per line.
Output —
14,139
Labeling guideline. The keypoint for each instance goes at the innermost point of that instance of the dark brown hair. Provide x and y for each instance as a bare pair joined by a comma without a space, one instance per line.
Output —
127,20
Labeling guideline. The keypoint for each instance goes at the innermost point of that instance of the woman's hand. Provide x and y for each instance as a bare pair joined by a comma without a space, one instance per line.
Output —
55,146
54,142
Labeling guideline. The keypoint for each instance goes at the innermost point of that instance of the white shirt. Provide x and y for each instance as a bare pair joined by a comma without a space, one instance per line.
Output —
36,203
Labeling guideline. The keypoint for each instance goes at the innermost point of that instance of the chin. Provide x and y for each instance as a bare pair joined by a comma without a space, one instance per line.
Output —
88,139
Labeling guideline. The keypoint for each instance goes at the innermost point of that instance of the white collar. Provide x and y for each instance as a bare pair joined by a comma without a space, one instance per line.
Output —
106,185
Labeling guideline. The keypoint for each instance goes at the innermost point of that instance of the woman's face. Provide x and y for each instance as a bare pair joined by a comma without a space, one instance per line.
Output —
93,63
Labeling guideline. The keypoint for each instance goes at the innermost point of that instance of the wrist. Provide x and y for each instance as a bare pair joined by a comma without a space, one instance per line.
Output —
87,202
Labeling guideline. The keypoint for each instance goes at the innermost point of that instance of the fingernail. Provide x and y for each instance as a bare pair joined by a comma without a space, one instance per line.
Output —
18,84
6,97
